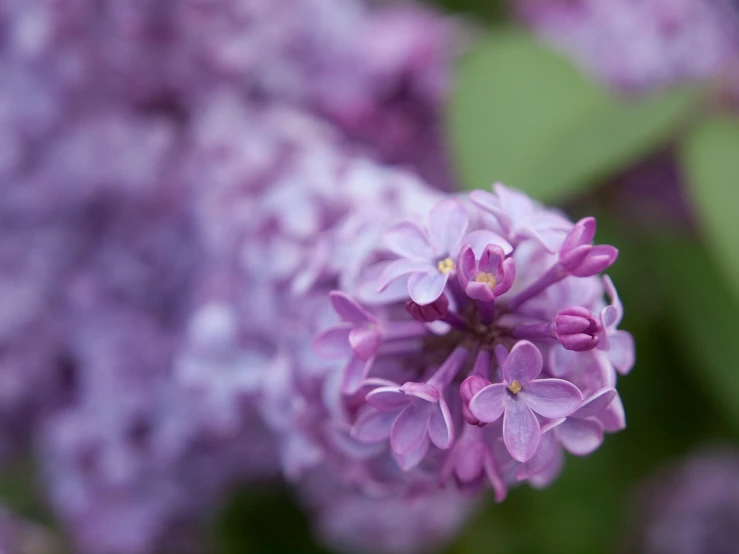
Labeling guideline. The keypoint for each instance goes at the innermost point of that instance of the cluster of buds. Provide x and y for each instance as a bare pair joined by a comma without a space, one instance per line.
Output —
479,346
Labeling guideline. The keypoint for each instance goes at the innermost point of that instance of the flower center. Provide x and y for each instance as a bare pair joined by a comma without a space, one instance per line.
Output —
515,387
445,266
486,278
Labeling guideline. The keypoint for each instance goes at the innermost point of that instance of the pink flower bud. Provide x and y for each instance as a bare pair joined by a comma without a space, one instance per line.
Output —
469,388
577,329
429,313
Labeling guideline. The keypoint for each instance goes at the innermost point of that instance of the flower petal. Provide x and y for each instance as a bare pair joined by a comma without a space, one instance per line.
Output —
424,391
546,455
408,240
521,432
596,403
599,258
495,477
479,291
333,343
614,418
373,426
468,463
618,309
491,203
387,398
353,448
509,275
523,363
490,403
480,239
491,260
409,428
399,268
466,265
547,476
365,342
621,351
426,288
411,459
441,426
562,362
448,221
580,436
516,203
551,398
548,238
354,374
349,310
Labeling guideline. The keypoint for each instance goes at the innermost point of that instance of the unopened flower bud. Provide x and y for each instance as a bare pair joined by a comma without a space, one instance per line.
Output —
579,257
429,313
577,329
469,388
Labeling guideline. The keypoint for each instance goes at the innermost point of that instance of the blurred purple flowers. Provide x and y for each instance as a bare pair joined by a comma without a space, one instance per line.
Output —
640,46
226,254
690,508
170,172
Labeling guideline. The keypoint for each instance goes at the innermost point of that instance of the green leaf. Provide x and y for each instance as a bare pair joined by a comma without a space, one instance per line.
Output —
705,317
710,157
523,115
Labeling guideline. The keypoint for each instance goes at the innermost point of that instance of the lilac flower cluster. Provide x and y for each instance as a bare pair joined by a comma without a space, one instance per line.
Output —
640,45
463,341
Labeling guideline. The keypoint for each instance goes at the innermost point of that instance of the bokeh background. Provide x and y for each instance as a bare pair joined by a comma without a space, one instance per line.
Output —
117,117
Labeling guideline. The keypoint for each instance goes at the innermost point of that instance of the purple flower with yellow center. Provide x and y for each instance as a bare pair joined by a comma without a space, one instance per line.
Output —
486,278
428,256
520,395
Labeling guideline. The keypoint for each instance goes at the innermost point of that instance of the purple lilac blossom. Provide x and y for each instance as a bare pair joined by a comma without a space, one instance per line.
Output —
638,45
416,419
691,508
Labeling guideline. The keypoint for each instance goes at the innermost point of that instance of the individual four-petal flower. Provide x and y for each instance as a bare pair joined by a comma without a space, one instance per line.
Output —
487,278
427,256
520,395
413,416
358,337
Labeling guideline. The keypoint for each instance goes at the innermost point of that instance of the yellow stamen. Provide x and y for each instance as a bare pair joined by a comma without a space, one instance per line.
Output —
445,266
486,278
515,387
